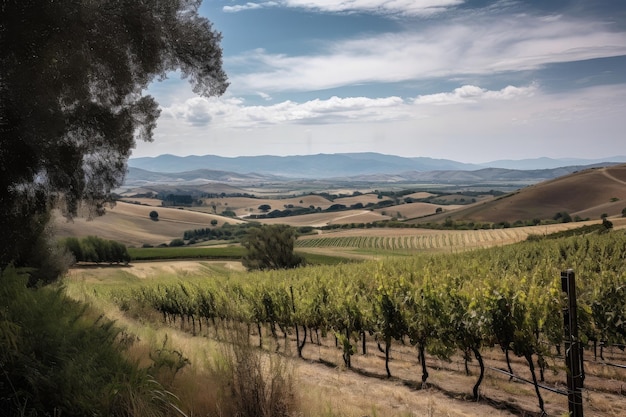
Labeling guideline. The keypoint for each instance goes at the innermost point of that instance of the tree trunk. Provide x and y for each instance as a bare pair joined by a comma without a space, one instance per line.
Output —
508,363
301,345
529,359
363,343
479,358
258,326
387,348
422,356
602,349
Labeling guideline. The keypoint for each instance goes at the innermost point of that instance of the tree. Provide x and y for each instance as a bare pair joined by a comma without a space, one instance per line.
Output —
154,215
72,76
271,247
265,207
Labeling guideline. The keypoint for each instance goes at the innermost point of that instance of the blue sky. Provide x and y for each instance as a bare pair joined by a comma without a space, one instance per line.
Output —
472,81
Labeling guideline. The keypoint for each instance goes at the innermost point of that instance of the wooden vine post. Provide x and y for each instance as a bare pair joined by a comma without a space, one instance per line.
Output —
573,353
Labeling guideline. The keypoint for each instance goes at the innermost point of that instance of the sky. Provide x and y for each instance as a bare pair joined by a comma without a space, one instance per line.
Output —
468,80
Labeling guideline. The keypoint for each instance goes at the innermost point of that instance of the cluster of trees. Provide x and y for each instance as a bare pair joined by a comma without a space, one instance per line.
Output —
230,232
226,232
298,211
97,250
183,200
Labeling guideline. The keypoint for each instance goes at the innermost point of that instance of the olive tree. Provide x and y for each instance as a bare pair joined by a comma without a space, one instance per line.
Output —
271,247
72,104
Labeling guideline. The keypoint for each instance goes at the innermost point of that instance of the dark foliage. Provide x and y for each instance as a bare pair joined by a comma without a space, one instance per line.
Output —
271,247
72,75
95,249
58,358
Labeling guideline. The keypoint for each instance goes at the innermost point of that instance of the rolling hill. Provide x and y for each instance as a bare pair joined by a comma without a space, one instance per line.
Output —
131,224
587,194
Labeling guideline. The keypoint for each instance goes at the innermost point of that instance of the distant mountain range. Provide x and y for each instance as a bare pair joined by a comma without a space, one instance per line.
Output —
325,166
303,167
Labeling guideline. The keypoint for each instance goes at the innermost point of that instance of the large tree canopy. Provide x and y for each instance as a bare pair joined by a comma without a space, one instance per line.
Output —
72,74
271,247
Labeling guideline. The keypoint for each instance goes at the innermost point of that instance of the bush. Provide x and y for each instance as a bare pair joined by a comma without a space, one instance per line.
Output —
60,358
95,249
177,242
271,247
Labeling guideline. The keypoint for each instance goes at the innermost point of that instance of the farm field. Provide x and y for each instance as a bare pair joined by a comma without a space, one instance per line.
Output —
406,241
526,274
131,224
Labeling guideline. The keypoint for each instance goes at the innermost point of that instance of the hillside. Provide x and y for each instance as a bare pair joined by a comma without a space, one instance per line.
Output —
587,194
131,224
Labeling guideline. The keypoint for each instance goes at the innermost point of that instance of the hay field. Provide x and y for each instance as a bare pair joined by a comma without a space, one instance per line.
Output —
131,224
244,206
326,219
412,210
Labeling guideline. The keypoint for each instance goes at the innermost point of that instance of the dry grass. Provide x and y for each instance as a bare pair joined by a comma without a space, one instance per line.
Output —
131,224
412,210
587,193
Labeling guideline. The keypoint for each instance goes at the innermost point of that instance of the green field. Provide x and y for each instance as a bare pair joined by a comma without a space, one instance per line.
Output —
217,253
169,253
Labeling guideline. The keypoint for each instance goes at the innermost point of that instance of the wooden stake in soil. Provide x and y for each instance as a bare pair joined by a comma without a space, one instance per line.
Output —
573,357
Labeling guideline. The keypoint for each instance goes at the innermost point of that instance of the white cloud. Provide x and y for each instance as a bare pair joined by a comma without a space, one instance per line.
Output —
233,112
472,94
531,123
478,46
242,7
394,7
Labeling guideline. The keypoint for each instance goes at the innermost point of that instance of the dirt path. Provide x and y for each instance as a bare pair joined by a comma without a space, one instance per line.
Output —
611,177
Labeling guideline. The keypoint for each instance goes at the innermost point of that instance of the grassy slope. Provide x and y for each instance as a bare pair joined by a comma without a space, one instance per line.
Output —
131,224
586,193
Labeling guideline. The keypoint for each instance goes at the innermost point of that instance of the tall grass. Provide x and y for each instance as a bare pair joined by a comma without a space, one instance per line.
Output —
59,357
259,384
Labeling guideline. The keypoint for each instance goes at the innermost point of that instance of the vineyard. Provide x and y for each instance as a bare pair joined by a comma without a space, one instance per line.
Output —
439,241
427,311
411,240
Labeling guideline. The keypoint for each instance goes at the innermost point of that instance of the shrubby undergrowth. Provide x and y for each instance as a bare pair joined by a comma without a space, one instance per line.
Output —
57,357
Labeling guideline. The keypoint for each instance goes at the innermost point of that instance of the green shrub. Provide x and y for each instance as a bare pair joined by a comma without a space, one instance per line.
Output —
57,357
95,249
177,242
